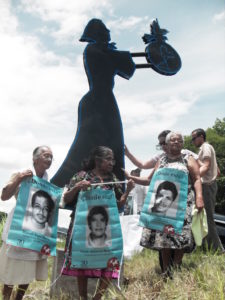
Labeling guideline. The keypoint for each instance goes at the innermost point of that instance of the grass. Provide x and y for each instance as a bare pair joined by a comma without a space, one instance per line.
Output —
202,276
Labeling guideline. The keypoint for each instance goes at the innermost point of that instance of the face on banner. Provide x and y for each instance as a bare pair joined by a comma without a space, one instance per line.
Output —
97,237
166,201
39,212
34,223
98,227
165,198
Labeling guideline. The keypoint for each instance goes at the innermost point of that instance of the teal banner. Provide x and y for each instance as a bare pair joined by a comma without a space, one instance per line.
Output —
34,223
165,203
97,237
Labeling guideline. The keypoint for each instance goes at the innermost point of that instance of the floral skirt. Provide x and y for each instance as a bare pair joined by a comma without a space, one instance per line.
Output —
157,240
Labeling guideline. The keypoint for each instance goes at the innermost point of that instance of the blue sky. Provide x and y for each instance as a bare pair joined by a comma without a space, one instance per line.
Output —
43,80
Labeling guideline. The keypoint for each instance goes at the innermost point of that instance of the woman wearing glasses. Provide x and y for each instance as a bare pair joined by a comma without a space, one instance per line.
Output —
98,168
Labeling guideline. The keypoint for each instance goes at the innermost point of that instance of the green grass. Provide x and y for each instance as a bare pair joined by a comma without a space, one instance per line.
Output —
202,276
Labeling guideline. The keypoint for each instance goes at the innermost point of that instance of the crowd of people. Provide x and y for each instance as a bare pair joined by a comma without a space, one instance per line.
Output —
21,266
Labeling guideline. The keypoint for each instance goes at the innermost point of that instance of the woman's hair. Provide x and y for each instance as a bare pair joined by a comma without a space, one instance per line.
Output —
45,195
164,133
37,151
167,185
95,210
168,137
199,132
98,154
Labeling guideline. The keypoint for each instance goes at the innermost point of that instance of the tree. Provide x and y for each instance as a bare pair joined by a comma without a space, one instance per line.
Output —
216,137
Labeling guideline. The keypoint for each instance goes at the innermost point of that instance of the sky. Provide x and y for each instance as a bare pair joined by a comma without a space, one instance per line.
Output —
42,78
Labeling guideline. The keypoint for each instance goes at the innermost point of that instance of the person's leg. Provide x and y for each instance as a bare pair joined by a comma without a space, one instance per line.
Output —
103,285
170,260
178,256
7,291
209,196
21,290
166,258
160,260
82,282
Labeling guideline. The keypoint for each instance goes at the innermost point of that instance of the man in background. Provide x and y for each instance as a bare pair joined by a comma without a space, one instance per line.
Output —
208,172
136,197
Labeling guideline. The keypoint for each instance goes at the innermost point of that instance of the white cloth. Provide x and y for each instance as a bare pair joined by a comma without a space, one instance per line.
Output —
138,197
189,153
17,271
131,235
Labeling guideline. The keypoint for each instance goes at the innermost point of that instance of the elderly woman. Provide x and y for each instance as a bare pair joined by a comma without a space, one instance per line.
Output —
21,266
97,169
178,242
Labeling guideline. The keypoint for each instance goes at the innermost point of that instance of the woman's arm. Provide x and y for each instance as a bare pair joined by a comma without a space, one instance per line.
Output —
70,194
149,164
195,176
141,180
123,198
10,189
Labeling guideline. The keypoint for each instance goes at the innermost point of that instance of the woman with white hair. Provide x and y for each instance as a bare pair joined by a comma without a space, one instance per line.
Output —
182,242
21,266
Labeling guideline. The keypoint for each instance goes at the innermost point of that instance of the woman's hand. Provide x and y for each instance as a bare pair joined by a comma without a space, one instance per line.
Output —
199,203
130,185
25,174
83,185
69,195
10,189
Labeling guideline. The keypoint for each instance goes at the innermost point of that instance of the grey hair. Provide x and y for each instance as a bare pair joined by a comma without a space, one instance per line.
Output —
168,137
37,151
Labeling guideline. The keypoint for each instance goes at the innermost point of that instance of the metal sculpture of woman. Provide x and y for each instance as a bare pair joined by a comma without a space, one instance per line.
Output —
99,121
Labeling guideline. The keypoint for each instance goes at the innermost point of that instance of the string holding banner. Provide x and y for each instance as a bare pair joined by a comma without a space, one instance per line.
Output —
110,182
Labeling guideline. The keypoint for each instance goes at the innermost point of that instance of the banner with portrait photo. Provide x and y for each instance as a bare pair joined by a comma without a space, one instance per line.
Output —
34,223
165,203
97,237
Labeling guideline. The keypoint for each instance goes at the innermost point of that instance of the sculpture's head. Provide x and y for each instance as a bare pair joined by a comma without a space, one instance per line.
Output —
95,31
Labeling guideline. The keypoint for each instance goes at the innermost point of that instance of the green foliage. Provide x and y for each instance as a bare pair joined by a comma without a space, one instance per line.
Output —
2,222
216,137
219,127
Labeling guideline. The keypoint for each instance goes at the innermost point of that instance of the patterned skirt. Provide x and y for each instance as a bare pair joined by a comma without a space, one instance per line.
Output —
157,240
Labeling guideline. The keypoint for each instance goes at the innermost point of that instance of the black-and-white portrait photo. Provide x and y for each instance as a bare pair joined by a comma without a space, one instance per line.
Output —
98,231
39,213
164,198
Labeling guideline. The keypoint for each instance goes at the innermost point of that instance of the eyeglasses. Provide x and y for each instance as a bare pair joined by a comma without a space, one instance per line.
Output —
176,141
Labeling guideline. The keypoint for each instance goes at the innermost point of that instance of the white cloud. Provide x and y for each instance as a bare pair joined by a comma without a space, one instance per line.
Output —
39,96
40,90
220,17
70,16
124,24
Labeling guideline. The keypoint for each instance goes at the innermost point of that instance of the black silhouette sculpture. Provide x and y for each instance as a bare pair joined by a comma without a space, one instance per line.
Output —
99,121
